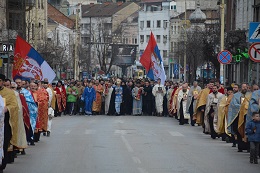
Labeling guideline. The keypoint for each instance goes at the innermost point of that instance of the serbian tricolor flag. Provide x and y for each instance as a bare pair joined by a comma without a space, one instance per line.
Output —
152,61
28,63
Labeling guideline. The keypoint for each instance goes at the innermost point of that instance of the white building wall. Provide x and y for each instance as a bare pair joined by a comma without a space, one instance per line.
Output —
153,17
244,14
63,37
3,18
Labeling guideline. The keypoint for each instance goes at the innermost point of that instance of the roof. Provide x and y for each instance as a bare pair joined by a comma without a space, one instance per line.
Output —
210,14
135,16
103,10
57,16
198,15
152,1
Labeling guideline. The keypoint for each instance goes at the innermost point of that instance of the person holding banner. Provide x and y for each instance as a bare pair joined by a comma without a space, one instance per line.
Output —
159,92
33,108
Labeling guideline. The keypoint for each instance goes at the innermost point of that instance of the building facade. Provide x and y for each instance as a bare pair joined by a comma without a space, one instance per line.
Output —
155,16
101,33
36,24
238,16
61,36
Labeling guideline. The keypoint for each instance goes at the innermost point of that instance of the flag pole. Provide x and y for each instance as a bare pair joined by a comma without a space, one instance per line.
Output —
185,47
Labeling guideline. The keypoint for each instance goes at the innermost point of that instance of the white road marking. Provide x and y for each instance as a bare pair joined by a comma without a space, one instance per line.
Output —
176,133
122,132
163,123
89,132
141,170
136,160
119,121
67,132
91,121
128,146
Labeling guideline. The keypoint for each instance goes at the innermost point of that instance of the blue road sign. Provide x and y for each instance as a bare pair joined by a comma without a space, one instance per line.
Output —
254,32
176,69
224,57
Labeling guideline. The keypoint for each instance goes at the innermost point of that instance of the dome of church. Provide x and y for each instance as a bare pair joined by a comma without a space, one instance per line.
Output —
65,3
197,15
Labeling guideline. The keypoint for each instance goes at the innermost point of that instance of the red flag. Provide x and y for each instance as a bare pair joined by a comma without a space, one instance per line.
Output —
145,59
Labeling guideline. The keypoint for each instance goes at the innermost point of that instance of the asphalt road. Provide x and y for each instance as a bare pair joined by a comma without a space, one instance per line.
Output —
129,144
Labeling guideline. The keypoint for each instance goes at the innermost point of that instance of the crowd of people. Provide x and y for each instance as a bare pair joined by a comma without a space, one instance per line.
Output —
28,107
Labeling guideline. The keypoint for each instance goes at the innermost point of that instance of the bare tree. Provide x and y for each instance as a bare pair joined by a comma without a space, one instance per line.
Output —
55,55
202,46
104,43
194,51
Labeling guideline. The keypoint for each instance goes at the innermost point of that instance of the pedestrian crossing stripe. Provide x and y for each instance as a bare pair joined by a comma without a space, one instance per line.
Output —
254,32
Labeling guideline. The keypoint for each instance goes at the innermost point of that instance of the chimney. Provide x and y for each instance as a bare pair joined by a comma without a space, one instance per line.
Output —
106,3
91,4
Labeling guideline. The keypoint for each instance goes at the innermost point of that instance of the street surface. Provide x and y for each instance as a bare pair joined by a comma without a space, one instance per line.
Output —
129,144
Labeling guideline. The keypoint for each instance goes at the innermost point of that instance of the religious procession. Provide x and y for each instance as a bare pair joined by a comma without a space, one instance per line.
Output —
28,107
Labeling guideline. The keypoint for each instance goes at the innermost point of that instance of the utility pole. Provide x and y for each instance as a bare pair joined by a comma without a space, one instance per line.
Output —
76,47
36,25
222,7
185,42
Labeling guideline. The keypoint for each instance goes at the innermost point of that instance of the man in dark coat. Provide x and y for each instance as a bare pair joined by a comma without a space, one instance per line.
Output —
147,99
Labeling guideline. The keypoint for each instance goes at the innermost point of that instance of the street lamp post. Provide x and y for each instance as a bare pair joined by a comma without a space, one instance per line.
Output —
222,6
185,42
76,47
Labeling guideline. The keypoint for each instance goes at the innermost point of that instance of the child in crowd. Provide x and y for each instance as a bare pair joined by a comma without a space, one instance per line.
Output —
253,133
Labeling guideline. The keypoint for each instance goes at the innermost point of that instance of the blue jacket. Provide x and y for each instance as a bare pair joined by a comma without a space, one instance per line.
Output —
253,137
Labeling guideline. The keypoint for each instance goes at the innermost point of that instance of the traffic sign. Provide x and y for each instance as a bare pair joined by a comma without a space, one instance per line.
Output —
254,32
224,57
176,69
254,52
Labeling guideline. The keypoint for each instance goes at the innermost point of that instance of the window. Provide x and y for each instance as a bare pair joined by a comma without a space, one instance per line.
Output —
175,45
39,33
15,21
107,26
165,24
173,7
147,38
85,41
164,53
33,31
175,29
164,38
158,38
141,38
58,38
172,46
42,4
39,4
148,24
158,24
42,32
141,24
135,40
